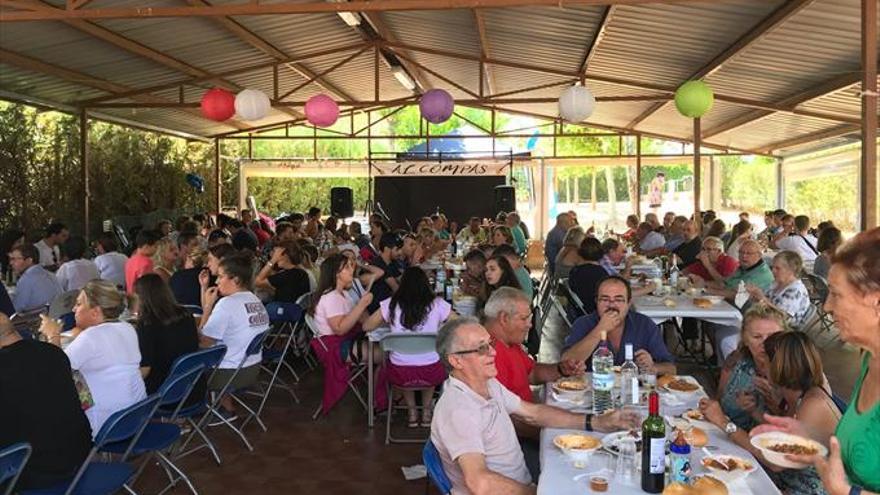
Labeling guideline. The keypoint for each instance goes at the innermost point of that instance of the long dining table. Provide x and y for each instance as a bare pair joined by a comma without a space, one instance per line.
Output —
561,476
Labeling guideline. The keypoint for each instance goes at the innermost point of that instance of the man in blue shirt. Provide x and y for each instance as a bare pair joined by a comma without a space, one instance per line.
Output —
36,287
622,326
553,243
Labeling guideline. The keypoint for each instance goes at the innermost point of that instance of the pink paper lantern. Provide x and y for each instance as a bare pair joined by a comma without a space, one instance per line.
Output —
218,104
322,111
436,106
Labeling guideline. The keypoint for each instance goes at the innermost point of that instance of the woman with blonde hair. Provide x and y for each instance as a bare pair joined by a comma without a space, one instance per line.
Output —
569,256
165,258
502,234
105,350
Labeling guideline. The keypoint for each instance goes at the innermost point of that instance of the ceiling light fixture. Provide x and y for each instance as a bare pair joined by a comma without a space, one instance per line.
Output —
403,78
351,18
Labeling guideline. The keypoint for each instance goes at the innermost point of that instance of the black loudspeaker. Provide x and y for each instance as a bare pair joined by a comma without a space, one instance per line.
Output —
505,199
341,202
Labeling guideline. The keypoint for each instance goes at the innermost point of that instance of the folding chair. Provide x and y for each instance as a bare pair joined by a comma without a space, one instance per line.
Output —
284,317
434,466
207,360
158,437
253,348
817,287
12,462
27,323
574,301
405,343
105,478
303,335
356,373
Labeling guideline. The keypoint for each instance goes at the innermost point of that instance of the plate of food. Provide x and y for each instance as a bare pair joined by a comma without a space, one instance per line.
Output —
611,442
697,418
684,386
577,446
571,389
707,301
776,445
728,468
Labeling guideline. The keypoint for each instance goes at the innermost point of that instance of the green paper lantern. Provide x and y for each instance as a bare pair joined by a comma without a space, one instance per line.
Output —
693,99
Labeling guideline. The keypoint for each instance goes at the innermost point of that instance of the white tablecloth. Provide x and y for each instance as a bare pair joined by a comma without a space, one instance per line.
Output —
558,471
722,313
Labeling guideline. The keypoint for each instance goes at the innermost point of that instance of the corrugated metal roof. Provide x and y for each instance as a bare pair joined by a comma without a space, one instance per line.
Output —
652,44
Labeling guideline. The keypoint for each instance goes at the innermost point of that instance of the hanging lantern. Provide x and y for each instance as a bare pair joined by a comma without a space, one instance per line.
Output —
436,106
251,104
218,104
321,111
576,104
694,99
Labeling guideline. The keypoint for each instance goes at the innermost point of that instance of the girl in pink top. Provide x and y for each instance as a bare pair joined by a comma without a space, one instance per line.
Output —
413,308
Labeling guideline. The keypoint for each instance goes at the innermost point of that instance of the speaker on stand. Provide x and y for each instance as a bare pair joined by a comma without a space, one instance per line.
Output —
505,199
341,202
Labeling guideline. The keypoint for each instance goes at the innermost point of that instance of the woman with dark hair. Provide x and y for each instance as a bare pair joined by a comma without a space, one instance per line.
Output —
165,330
499,273
829,240
502,234
584,279
335,313
413,308
716,229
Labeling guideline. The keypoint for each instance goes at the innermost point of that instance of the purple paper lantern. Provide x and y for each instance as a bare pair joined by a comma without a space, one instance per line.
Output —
322,111
436,106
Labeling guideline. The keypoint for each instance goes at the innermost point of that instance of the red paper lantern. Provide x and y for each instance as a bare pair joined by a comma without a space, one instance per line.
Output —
218,104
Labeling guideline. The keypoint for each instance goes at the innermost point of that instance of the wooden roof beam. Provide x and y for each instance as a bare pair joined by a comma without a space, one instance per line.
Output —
480,21
32,64
289,7
598,35
386,35
811,137
827,87
752,36
264,46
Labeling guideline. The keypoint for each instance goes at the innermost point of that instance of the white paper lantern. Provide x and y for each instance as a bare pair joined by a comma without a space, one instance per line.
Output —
251,104
576,104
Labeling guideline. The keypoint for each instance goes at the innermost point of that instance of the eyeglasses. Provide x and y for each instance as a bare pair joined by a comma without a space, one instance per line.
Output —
616,300
483,349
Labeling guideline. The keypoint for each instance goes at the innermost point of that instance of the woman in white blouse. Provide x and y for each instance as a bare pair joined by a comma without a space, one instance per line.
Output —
787,293
105,351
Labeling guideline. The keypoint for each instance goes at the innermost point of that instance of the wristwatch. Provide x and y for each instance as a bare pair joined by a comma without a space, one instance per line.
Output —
730,428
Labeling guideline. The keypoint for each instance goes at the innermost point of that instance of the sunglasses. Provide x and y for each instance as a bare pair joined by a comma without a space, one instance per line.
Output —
483,349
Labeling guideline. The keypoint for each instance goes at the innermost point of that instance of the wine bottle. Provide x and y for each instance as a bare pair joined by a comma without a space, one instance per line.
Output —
653,447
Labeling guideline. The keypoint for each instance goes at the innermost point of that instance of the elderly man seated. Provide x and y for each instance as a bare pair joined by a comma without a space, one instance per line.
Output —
472,429
712,263
613,316
649,239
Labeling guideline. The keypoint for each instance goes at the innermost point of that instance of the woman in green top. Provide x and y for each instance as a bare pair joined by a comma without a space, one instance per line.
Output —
853,464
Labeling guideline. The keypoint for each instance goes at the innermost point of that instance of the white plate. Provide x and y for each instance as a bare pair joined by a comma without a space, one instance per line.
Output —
700,423
578,455
765,440
681,393
730,476
611,441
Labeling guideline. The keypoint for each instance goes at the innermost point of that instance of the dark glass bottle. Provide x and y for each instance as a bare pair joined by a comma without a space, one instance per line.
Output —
653,447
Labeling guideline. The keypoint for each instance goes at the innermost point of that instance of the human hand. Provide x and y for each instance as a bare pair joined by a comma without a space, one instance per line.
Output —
711,409
610,319
211,296
644,360
616,420
204,278
755,292
703,257
831,470
49,327
784,424
697,280
768,390
277,253
366,299
571,367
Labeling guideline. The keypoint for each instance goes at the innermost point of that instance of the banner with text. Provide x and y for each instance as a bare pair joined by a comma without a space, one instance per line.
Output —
447,169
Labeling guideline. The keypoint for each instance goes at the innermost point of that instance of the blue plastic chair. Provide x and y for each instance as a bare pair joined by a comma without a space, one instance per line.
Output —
206,360
158,438
192,309
434,465
285,317
12,462
106,478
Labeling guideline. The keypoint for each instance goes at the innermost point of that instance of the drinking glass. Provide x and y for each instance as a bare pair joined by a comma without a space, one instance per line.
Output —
624,470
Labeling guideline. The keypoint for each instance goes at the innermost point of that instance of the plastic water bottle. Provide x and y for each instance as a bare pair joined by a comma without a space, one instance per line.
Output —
673,273
441,281
629,380
603,376
742,295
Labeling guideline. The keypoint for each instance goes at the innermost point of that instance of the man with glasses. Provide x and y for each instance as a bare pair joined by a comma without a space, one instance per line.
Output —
752,270
712,263
36,287
613,316
472,429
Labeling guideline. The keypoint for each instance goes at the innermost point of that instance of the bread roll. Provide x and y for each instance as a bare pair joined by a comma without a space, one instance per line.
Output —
697,437
665,380
702,303
707,485
678,489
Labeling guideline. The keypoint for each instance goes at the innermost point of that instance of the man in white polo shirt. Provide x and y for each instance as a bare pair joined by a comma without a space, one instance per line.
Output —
472,429
796,237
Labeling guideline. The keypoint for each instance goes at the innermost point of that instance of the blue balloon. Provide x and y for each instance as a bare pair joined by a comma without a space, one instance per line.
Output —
533,141
196,182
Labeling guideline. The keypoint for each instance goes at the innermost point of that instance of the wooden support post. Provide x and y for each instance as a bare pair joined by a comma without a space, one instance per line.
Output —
697,162
84,165
275,82
376,73
638,174
868,175
218,200
250,146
